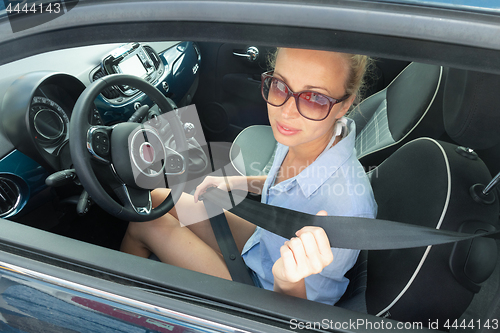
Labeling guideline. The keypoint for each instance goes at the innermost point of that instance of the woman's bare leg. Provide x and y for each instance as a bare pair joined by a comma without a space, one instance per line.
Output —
173,244
194,216
190,244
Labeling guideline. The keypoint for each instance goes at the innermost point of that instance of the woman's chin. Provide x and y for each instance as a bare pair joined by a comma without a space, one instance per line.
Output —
286,140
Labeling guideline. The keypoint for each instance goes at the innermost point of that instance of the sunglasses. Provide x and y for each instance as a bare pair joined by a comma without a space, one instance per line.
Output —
310,104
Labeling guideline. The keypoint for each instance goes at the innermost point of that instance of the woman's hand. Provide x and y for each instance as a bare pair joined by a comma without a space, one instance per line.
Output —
301,256
210,181
224,183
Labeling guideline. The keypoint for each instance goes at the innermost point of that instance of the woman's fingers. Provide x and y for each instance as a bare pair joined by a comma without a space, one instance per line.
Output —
308,253
210,181
322,213
288,265
293,260
315,261
316,247
198,191
301,258
320,240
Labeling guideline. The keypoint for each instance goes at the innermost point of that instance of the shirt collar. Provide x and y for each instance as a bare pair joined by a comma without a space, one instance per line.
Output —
312,177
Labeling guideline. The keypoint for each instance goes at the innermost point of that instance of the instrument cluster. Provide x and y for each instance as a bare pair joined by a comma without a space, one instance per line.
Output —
50,122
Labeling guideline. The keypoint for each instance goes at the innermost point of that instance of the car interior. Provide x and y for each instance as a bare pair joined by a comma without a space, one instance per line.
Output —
426,135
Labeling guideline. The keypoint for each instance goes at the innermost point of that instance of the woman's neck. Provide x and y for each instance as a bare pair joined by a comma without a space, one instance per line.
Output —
308,152
300,157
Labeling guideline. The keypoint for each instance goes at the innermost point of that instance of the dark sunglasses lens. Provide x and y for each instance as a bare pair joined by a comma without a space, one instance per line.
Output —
313,105
274,91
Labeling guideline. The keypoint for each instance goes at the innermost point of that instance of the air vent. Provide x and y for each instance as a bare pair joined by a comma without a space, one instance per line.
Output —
110,92
152,54
10,196
197,49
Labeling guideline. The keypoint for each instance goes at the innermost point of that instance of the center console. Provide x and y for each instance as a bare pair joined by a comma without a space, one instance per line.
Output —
134,59
171,67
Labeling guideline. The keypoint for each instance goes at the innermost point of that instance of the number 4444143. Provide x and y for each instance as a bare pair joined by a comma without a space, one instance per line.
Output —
473,324
34,8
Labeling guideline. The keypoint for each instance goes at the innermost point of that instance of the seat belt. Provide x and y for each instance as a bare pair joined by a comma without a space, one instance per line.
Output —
237,269
343,232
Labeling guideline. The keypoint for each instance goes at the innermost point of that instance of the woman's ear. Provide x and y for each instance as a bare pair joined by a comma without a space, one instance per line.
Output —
345,106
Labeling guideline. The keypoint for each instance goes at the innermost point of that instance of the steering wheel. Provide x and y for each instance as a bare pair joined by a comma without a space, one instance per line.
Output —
130,158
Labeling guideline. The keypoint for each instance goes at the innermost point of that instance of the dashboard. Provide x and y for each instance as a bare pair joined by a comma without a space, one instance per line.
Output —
37,96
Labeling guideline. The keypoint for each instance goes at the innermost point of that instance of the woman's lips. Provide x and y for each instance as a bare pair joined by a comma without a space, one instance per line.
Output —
283,129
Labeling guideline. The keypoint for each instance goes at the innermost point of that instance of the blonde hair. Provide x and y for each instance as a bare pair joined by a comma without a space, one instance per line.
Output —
358,66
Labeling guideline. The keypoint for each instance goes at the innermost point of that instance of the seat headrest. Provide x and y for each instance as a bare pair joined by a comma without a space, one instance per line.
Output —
471,108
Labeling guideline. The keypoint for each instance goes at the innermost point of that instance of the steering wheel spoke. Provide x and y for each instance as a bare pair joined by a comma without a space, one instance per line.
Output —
136,199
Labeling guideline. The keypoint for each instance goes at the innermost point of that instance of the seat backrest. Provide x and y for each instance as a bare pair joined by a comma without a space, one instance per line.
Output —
427,183
409,107
252,152
471,111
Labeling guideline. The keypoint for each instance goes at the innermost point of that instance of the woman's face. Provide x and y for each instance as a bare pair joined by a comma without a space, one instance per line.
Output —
319,71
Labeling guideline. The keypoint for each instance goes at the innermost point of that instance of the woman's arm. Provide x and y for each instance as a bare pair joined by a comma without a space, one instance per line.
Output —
255,184
301,256
252,184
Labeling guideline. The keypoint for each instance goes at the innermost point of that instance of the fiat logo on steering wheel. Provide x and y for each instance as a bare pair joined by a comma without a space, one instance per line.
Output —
147,152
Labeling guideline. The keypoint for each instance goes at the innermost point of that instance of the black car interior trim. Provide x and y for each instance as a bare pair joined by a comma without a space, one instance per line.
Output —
360,16
48,37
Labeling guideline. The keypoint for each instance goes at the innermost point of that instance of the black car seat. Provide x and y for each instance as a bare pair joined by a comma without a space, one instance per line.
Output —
427,182
409,107
471,116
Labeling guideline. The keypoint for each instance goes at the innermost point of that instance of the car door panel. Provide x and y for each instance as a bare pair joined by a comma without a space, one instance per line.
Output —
228,98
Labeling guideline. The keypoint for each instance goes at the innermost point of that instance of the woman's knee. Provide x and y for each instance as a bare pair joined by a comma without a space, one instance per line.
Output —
143,230
159,195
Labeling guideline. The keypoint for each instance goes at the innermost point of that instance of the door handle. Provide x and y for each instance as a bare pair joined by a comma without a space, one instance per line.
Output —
251,54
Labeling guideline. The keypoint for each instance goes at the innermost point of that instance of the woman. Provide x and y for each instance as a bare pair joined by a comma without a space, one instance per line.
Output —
315,171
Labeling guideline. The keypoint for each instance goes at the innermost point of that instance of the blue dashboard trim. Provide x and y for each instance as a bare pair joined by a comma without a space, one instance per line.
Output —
26,173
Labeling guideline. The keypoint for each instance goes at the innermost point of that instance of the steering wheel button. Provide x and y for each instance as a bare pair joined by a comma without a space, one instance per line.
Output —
174,163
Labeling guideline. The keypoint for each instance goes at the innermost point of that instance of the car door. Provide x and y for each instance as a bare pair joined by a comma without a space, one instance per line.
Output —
228,98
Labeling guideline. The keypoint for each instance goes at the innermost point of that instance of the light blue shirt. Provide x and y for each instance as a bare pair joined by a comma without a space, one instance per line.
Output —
335,182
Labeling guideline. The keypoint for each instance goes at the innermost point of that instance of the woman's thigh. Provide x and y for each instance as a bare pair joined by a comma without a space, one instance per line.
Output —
194,216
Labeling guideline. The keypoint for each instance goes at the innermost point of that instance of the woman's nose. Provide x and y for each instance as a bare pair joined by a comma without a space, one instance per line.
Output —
289,109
